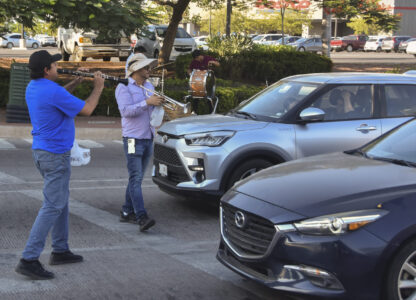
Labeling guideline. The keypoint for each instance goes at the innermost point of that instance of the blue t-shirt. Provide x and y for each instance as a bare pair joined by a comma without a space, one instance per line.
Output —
52,110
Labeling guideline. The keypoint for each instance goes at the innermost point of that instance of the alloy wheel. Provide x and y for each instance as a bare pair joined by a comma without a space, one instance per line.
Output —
406,284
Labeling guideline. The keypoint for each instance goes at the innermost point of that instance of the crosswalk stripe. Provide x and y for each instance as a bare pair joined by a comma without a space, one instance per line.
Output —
118,142
6,145
9,179
89,144
30,141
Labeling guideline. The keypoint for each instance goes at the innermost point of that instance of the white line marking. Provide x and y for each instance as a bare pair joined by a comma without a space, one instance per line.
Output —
5,145
8,179
89,144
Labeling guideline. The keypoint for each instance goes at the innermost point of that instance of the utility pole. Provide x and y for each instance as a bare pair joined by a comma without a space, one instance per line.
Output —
228,20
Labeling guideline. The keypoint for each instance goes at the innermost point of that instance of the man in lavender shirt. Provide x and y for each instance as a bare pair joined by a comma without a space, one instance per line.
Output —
136,105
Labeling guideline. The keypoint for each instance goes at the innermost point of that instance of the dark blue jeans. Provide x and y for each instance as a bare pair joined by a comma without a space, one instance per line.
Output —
136,166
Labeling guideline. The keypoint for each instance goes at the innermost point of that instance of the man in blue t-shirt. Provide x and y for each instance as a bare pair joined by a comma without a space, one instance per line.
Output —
52,109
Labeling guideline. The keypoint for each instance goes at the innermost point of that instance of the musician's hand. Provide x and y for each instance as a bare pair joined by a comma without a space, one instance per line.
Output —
155,100
98,80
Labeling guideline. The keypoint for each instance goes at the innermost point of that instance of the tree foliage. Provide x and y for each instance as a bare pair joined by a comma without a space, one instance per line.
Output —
107,17
373,12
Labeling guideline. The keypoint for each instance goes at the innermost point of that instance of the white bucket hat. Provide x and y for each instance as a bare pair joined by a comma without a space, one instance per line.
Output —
139,61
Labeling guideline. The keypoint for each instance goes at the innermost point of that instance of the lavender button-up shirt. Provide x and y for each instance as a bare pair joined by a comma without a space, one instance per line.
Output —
134,111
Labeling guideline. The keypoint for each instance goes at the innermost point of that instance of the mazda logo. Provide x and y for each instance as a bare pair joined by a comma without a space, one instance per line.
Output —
165,138
239,219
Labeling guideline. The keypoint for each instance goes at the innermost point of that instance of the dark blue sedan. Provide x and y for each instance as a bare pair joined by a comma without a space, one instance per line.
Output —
337,225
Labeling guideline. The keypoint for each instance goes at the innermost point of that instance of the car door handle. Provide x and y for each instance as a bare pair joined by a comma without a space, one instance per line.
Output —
365,127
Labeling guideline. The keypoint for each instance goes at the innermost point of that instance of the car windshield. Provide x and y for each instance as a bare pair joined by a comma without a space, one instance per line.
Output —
275,101
180,33
398,146
301,40
258,37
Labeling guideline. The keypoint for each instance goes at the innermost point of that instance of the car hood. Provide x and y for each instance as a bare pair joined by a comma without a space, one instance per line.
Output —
329,183
205,123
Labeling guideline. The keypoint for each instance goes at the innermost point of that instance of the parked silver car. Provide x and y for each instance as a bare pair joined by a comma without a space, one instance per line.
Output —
152,41
11,40
45,40
311,44
299,116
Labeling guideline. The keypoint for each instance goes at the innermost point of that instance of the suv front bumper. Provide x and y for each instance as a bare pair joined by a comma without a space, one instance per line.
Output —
100,52
187,171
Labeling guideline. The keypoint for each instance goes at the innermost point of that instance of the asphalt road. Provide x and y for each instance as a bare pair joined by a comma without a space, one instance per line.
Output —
174,260
337,57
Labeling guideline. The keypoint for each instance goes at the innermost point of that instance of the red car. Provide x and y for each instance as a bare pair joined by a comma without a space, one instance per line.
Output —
349,43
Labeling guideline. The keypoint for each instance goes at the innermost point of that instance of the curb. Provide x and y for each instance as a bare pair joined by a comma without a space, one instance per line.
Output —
22,131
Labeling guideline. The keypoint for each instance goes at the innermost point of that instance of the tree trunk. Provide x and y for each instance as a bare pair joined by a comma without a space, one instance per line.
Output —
228,20
178,10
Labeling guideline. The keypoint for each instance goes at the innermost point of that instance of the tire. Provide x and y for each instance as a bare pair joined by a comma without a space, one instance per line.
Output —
122,58
35,46
9,45
414,55
349,48
106,58
246,169
301,49
397,272
156,54
77,55
65,56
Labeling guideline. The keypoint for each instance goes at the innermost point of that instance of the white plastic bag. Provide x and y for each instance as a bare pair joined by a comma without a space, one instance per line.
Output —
79,156
156,118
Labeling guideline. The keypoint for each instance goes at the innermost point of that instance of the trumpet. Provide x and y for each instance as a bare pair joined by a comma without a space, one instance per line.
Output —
170,103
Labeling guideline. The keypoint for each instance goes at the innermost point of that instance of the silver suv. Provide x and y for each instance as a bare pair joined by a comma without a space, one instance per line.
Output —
299,116
152,41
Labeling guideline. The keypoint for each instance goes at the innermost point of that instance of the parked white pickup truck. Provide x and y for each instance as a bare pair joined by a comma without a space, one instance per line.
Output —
86,44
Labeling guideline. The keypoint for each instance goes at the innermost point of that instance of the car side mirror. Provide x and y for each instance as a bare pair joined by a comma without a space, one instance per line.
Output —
312,114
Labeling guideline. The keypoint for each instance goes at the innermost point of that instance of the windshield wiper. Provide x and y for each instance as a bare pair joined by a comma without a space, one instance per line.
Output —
251,116
358,151
396,161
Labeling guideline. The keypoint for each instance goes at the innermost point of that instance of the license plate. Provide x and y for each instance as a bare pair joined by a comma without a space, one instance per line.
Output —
123,53
163,170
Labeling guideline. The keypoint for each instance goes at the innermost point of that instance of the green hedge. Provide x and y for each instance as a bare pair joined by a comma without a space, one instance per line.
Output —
230,93
262,64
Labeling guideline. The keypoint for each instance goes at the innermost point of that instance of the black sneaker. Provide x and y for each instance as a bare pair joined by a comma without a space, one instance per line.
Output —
145,223
33,269
128,217
66,257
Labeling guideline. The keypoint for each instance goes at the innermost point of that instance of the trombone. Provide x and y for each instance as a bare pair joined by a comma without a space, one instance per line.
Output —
170,103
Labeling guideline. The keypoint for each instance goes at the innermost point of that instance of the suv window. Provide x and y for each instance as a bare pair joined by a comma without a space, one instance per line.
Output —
346,102
400,100
180,33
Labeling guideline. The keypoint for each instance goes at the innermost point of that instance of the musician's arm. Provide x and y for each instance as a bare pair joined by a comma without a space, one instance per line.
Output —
70,86
92,100
125,106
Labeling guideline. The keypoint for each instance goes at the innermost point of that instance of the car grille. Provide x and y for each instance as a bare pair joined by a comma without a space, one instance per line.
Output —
182,49
253,239
169,157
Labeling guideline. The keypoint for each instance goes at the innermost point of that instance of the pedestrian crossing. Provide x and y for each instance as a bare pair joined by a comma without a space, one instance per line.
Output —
11,144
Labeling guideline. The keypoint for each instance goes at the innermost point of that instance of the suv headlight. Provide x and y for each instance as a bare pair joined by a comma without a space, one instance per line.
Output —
210,139
339,223
85,40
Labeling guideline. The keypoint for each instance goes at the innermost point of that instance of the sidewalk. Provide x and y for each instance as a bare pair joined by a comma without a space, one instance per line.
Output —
95,128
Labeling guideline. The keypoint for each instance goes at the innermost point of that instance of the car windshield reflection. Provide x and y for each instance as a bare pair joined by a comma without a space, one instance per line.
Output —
275,101
398,146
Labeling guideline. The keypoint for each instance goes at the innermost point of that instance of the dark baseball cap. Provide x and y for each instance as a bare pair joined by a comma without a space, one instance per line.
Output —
41,59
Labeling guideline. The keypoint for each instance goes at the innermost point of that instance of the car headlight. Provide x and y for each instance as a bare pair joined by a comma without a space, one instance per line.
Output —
339,223
85,40
210,139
